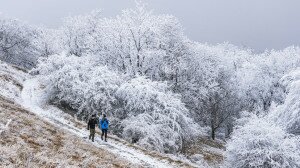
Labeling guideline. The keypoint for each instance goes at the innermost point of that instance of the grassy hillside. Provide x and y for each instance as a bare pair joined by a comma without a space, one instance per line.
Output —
28,141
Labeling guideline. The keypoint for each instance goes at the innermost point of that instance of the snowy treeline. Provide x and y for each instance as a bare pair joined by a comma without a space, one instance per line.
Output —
215,82
22,44
158,87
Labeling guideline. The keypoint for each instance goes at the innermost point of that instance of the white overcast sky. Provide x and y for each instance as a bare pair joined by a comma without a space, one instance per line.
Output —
257,24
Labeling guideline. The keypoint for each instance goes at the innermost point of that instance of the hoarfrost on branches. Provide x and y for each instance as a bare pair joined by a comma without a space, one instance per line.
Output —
79,83
156,117
260,143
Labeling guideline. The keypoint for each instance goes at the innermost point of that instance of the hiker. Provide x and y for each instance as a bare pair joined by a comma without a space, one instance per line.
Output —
91,126
103,125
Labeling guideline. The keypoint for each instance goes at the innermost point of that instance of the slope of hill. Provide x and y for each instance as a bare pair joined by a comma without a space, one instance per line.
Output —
29,141
35,134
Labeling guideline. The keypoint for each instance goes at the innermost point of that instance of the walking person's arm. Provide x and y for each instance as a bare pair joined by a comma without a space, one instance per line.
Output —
100,124
88,126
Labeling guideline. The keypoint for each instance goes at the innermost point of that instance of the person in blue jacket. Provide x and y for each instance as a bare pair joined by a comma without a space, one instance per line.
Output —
103,125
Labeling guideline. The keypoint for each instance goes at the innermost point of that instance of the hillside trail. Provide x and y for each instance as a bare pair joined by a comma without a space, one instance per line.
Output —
33,100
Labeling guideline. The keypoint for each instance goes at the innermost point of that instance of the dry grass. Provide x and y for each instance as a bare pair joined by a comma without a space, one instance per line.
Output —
19,68
8,78
31,142
210,150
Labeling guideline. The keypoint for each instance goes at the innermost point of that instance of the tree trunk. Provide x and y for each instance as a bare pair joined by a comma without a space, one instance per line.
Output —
213,134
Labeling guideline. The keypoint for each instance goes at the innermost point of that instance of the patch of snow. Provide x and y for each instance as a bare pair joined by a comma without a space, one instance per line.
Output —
4,127
10,78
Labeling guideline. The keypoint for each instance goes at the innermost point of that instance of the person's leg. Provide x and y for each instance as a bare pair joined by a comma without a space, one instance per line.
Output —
93,134
105,134
102,134
90,134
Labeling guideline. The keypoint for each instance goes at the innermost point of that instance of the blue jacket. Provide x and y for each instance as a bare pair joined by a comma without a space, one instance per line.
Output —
104,123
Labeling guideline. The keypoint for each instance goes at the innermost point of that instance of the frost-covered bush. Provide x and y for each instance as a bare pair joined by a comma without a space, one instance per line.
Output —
259,143
79,83
155,117
288,114
18,43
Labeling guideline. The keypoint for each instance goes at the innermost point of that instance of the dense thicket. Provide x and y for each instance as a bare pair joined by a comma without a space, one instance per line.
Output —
140,110
215,82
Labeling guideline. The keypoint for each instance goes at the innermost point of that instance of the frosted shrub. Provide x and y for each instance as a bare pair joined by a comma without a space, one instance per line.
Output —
155,117
79,83
288,114
18,43
261,144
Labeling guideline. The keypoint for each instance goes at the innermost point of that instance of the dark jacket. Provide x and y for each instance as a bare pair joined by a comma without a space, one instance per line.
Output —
92,122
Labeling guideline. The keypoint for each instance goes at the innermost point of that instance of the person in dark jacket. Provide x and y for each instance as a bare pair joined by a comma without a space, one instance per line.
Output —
103,125
91,126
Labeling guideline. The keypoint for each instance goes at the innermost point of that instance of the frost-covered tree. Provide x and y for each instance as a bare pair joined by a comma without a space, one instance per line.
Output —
49,42
208,87
137,42
17,43
260,143
154,116
264,71
81,33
